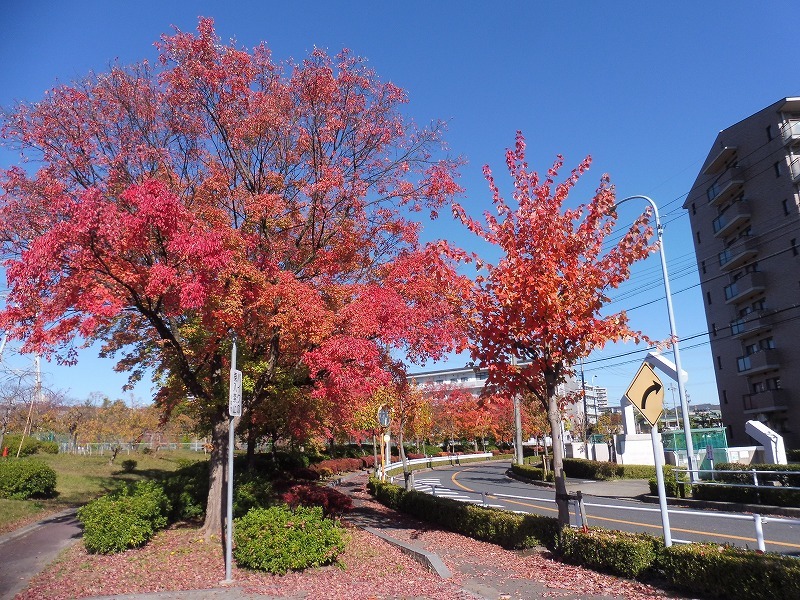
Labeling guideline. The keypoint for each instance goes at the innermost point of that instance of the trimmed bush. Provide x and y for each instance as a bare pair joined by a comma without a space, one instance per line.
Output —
626,554
713,571
600,470
769,491
127,519
30,445
674,482
279,539
25,478
128,465
535,473
507,529
48,447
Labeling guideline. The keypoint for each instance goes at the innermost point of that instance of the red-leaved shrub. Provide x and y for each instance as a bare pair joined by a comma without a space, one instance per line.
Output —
332,501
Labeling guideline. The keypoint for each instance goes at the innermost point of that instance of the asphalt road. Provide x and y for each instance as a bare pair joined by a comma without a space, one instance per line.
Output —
609,505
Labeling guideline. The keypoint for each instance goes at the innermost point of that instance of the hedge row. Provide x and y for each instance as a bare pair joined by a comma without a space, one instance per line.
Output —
704,570
507,529
530,472
29,446
25,478
768,492
594,469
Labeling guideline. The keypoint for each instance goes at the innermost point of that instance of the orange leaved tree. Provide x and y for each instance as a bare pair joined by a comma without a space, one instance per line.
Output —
542,302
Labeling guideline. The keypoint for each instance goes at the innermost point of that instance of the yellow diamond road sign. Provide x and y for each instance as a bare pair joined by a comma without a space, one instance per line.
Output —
646,392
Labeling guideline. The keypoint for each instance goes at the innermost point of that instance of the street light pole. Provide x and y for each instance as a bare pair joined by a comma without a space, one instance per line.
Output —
675,347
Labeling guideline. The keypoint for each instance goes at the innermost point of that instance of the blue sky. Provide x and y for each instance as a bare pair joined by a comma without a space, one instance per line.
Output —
642,87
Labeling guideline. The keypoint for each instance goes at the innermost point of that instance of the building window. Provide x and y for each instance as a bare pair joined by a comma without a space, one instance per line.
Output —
794,246
785,204
766,344
714,329
698,238
777,167
719,363
769,133
694,209
708,297
751,349
703,266
724,396
759,387
773,383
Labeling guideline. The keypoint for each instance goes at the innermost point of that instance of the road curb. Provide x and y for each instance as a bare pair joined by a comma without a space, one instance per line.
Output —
427,559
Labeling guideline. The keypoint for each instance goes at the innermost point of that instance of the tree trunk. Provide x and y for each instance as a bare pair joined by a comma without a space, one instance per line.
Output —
217,500
554,416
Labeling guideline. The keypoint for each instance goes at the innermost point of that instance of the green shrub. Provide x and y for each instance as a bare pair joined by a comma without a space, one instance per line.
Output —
770,485
25,478
250,490
674,482
187,490
48,447
713,571
129,465
278,539
535,473
626,554
507,529
601,470
126,519
29,445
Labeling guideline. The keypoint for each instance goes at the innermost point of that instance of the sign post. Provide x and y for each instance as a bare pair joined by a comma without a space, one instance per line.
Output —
646,393
234,410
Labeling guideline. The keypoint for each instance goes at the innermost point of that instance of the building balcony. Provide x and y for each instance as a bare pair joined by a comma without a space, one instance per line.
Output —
738,254
753,324
794,169
726,187
737,214
790,131
767,401
722,159
758,362
747,286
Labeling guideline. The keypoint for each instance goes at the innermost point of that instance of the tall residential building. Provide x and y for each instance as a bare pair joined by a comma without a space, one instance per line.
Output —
745,220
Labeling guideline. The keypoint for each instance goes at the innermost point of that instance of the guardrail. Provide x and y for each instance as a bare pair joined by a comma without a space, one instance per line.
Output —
429,462
753,472
578,513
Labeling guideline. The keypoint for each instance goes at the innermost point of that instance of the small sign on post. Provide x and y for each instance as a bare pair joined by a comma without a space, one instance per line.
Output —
235,398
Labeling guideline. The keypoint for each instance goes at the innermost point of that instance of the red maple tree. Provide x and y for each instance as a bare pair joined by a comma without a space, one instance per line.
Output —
542,303
219,192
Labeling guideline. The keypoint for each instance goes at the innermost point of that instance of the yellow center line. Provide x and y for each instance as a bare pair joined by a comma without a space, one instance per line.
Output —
623,521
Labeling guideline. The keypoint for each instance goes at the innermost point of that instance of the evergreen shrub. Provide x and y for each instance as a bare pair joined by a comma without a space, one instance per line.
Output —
279,539
625,554
23,478
125,519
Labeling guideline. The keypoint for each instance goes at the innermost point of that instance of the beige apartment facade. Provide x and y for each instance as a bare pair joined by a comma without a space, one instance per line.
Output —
745,218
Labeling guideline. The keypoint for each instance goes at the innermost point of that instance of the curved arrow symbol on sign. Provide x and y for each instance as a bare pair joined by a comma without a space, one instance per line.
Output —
655,388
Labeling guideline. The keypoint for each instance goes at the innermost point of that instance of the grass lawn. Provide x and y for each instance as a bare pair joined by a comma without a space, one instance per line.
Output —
82,478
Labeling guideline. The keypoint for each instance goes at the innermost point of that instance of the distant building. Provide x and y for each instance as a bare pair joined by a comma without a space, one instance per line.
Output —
743,209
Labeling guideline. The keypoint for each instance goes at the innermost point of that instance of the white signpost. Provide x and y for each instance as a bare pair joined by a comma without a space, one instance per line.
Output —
646,393
234,410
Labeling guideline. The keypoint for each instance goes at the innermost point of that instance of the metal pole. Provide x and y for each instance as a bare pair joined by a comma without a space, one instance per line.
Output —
517,422
759,533
229,507
687,428
658,455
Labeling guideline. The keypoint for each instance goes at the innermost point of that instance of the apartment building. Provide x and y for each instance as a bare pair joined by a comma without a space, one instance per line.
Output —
743,209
